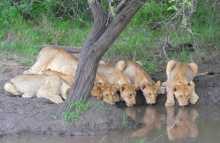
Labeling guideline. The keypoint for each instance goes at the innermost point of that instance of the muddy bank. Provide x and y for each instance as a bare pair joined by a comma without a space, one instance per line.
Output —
38,116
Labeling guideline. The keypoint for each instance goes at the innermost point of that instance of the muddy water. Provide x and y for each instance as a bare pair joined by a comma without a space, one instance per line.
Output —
157,125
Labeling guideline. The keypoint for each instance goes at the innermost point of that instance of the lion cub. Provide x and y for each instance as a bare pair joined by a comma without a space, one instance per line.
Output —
47,85
121,82
180,83
106,92
140,79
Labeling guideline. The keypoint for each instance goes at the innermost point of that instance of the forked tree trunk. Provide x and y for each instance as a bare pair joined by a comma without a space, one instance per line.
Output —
105,31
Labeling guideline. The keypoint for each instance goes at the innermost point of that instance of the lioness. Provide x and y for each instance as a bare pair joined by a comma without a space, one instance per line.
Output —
49,86
55,59
180,83
140,79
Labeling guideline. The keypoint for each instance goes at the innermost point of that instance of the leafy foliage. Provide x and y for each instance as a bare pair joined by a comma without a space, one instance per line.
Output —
75,110
25,26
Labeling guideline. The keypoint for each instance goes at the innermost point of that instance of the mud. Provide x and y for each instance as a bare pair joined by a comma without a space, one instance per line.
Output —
39,116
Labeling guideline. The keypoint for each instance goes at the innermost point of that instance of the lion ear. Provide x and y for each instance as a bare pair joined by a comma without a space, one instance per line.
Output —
194,68
120,65
170,66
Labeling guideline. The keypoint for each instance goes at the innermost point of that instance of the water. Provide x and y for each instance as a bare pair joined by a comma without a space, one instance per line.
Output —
157,125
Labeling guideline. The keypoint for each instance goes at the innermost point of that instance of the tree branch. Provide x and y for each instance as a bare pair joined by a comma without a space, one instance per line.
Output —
100,39
118,24
100,19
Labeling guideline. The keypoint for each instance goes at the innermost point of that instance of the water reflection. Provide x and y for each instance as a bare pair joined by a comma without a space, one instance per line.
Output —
177,124
149,117
158,125
181,125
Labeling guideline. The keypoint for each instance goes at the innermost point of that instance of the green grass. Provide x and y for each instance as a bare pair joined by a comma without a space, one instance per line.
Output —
137,42
75,110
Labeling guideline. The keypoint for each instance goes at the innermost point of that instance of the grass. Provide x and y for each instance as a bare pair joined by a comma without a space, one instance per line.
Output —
137,42
75,110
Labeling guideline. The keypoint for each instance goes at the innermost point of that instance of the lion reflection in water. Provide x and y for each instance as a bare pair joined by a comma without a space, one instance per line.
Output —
149,116
182,125
178,126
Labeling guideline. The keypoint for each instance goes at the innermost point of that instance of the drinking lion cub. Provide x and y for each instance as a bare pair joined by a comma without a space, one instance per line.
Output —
180,83
140,79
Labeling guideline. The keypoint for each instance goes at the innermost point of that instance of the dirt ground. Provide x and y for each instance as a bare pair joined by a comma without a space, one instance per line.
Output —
38,116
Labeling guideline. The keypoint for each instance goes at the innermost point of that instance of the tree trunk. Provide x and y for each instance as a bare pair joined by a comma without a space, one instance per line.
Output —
100,39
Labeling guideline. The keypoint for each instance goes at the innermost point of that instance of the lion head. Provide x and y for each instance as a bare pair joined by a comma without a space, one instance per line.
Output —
98,89
182,92
128,94
110,94
150,92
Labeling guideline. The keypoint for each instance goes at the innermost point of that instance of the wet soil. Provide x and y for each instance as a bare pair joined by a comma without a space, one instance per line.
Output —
38,116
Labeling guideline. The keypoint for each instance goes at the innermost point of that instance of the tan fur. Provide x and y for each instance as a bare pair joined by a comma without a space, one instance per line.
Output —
128,94
183,125
106,92
140,79
110,94
54,59
98,89
58,60
180,83
116,77
50,86
112,75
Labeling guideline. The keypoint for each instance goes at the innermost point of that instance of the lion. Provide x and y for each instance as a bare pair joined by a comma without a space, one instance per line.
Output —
58,60
128,94
98,89
140,79
54,59
180,83
110,94
123,83
106,92
47,85
183,125
112,75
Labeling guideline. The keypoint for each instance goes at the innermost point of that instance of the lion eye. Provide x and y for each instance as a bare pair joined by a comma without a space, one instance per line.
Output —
143,87
174,89
189,84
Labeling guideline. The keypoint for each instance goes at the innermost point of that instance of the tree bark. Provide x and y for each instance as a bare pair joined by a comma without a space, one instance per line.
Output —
99,40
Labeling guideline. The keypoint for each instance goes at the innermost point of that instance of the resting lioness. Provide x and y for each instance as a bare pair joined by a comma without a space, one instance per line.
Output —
49,86
180,83
140,79
55,59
